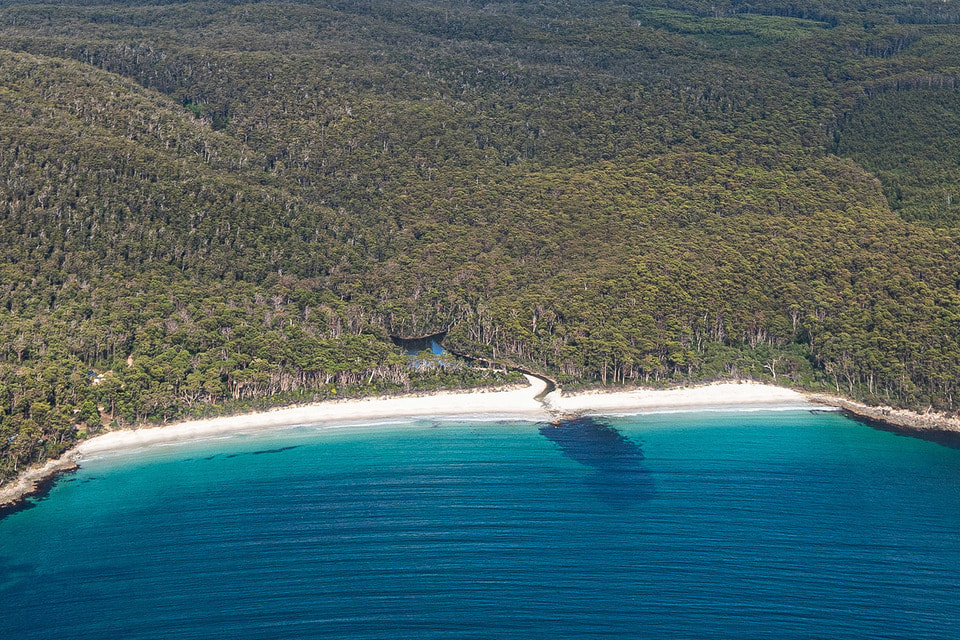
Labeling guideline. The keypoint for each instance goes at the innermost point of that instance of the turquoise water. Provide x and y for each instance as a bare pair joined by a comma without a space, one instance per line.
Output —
723,525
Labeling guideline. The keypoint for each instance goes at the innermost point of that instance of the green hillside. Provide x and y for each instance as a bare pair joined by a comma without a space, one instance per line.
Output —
208,206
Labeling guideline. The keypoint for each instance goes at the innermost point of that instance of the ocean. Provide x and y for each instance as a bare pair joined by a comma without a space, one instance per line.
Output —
767,524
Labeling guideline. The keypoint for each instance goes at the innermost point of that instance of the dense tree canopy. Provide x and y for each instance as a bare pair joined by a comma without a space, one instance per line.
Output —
207,206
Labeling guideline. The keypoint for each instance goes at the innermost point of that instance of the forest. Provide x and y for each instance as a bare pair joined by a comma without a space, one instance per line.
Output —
209,207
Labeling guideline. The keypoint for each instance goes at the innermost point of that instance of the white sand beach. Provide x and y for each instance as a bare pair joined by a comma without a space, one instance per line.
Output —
722,395
521,404
513,404
517,403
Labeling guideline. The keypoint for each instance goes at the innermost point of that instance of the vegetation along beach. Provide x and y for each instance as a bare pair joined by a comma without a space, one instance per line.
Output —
242,219
202,220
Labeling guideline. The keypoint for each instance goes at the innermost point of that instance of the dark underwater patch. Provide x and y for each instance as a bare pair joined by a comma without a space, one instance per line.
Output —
40,493
259,452
621,478
277,450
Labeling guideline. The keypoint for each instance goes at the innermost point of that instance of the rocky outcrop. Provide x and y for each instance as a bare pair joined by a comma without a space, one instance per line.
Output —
929,426
34,481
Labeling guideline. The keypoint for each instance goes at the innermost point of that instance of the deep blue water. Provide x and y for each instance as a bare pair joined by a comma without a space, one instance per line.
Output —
723,525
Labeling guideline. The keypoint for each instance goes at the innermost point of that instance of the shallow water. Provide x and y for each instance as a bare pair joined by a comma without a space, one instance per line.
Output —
721,525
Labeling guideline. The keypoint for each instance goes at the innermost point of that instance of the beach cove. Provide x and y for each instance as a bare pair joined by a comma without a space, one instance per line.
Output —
515,403
538,401
714,523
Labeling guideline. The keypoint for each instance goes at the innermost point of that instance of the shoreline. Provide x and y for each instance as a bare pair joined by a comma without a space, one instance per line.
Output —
510,403
513,402
932,426
35,481
741,395
536,402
